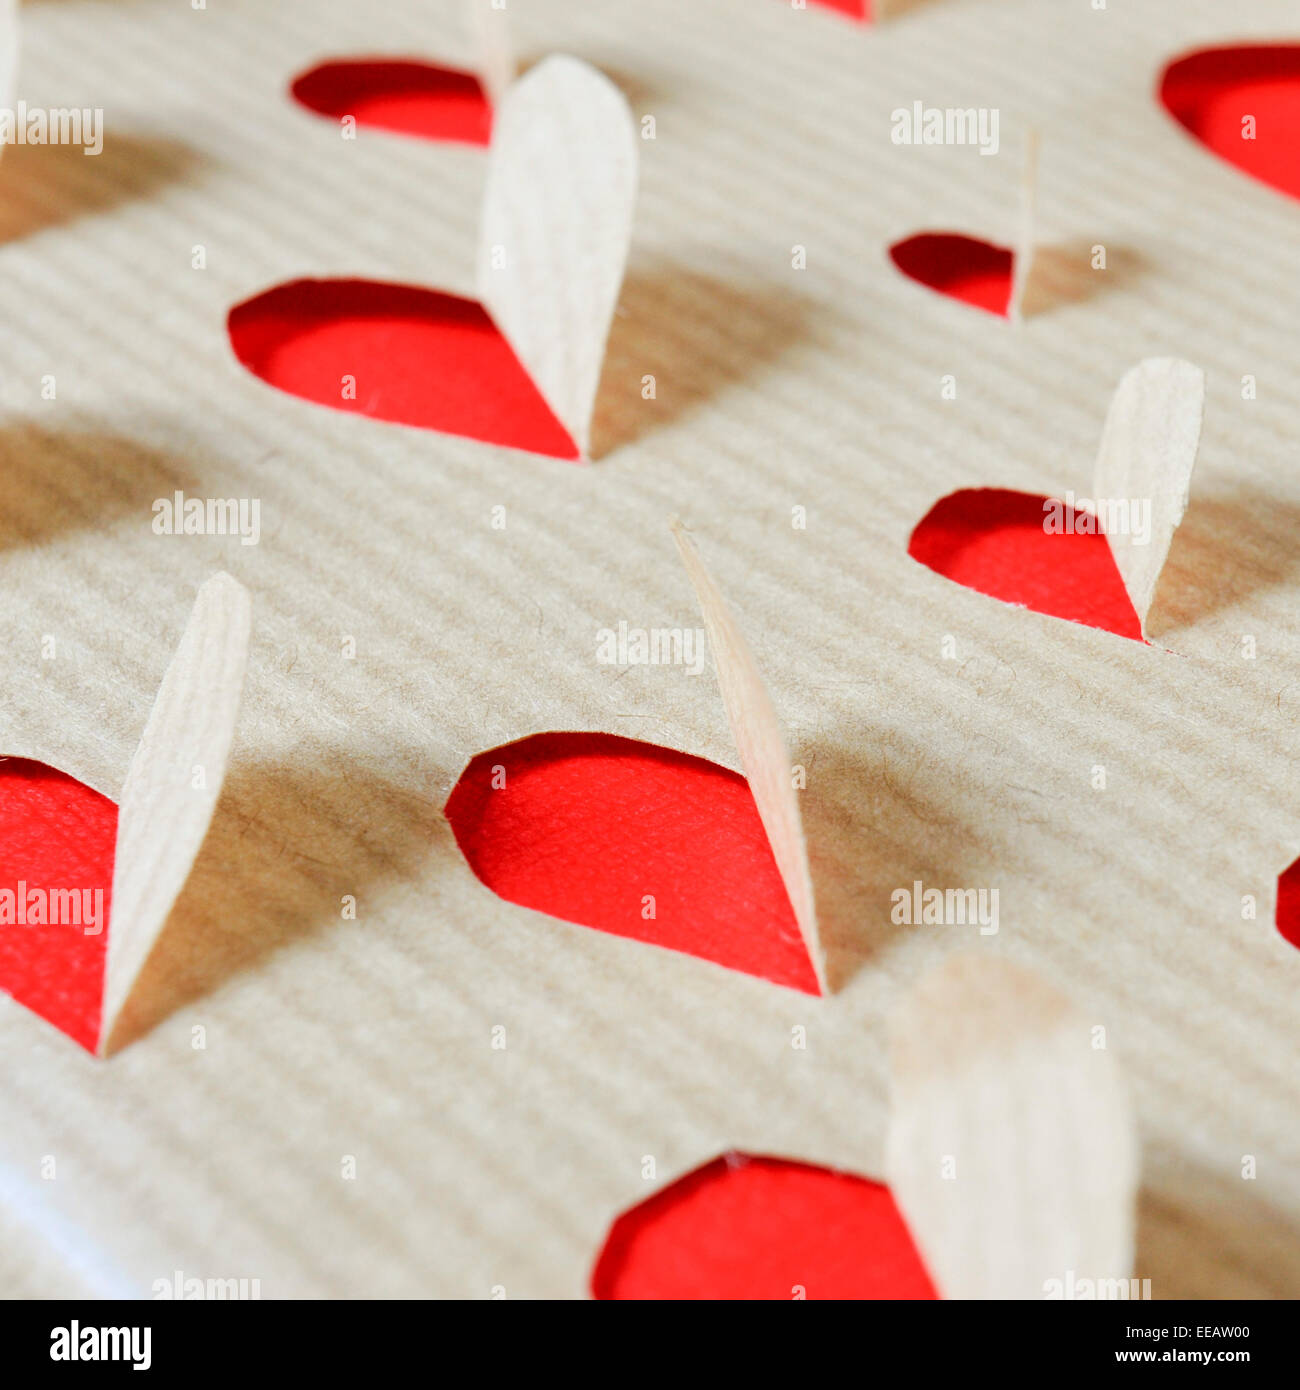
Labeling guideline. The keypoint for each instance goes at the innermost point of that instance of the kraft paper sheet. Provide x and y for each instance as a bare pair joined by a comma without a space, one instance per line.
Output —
313,1099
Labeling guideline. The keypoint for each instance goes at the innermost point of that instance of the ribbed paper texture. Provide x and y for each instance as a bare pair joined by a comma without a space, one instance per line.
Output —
776,388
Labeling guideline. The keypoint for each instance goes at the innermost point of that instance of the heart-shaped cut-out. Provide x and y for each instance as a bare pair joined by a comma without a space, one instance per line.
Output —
1288,904
522,365
1242,102
762,1228
403,95
57,840
854,9
962,267
58,837
630,838
396,352
1099,564
994,541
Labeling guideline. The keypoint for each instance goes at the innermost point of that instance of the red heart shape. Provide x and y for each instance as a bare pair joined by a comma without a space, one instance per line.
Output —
962,267
993,541
399,94
751,1228
586,827
415,357
56,836
1210,93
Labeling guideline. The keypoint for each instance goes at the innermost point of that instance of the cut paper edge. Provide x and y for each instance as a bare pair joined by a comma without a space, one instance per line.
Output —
1147,454
1196,86
162,817
405,97
755,1226
1286,903
425,359
966,269
556,227
759,741
1011,1147
996,542
856,11
592,820
488,29
1025,247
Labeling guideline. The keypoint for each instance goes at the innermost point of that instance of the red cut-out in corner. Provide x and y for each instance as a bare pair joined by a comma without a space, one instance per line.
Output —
399,94
55,834
993,541
589,827
1288,904
412,356
762,1228
962,267
855,9
1211,92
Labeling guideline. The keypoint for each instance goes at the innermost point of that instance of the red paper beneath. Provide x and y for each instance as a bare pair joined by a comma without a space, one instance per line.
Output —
763,1228
56,834
591,827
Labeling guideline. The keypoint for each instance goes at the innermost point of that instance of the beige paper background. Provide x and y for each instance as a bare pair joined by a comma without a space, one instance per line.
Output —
776,388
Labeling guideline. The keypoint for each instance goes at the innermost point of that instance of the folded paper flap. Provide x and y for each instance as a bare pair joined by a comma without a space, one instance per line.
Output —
973,1032
1145,460
488,27
174,781
1011,1148
557,220
761,747
1026,229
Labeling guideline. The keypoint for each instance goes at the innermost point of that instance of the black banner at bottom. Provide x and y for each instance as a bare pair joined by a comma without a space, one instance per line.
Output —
50,1341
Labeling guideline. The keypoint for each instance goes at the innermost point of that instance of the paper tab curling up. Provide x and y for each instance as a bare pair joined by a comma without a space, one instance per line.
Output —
488,28
173,783
1023,265
557,222
761,747
1148,450
1011,1148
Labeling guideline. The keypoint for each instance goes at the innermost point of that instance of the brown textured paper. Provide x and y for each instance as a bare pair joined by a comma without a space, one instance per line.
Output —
1010,1149
319,1104
173,783
759,742
557,219
10,50
1147,453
